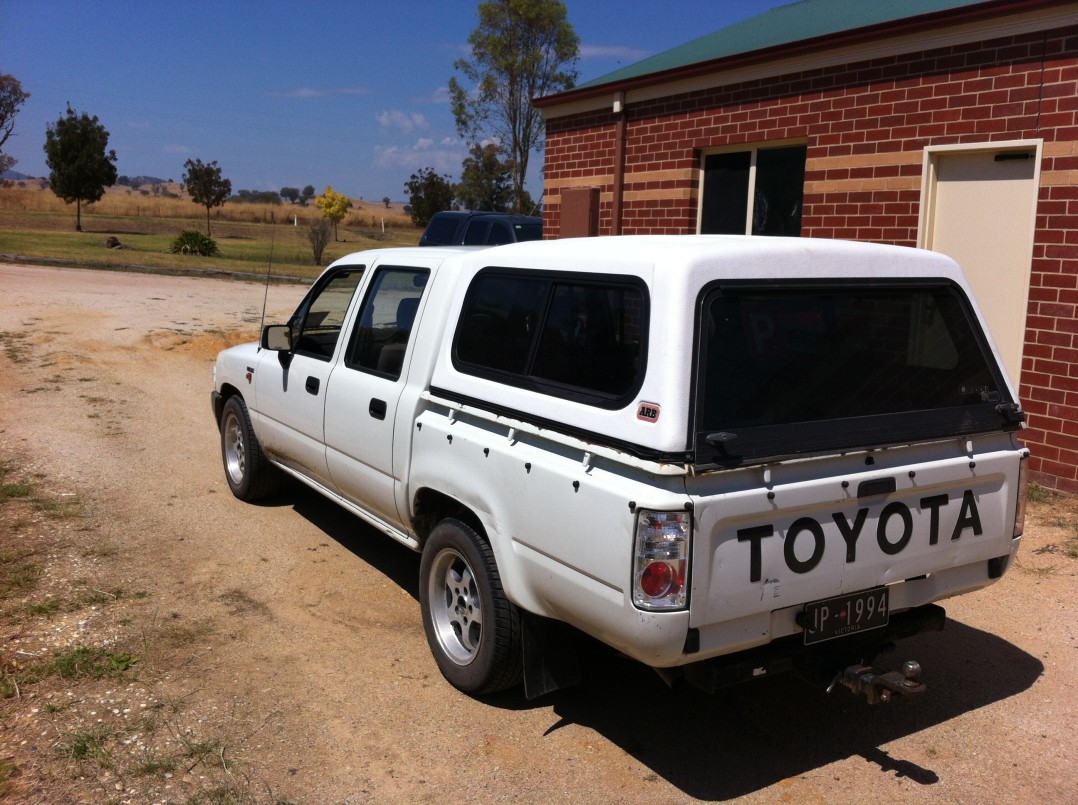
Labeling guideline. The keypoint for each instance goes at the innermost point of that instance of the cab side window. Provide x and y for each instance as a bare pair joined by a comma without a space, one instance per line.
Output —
384,327
316,326
499,234
476,233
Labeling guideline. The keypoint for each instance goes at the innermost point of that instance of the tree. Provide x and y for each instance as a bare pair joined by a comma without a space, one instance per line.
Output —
386,201
206,186
428,193
257,197
486,181
290,194
12,97
334,207
306,196
522,49
80,167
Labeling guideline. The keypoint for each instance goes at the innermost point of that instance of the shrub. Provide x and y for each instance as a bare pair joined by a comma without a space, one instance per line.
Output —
190,242
318,235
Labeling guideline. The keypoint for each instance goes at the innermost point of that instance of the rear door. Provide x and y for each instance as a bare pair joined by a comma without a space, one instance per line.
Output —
361,423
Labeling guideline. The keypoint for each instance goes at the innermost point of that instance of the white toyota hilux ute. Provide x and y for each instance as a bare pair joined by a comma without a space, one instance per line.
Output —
724,457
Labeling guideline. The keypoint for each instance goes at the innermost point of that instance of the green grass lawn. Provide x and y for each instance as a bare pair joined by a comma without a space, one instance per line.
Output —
250,248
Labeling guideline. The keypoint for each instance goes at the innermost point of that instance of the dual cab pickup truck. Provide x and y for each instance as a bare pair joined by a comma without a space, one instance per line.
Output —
724,457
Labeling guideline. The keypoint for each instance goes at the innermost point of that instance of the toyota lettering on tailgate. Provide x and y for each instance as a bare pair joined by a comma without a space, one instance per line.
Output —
808,532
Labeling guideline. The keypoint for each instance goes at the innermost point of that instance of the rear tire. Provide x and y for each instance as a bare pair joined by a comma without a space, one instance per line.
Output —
249,473
473,629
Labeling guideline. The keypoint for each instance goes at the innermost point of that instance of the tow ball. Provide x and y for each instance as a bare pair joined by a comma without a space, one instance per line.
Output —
879,687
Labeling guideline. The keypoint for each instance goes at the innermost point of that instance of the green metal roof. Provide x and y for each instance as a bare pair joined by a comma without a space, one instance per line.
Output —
784,25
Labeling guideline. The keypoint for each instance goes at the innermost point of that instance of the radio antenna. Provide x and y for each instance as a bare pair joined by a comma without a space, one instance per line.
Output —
269,268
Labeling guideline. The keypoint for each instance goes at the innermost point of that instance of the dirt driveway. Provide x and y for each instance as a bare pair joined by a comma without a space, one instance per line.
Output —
163,642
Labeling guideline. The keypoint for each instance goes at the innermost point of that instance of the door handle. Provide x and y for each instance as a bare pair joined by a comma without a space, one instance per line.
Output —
312,385
377,408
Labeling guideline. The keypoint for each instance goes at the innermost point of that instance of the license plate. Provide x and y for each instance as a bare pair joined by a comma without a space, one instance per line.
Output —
845,615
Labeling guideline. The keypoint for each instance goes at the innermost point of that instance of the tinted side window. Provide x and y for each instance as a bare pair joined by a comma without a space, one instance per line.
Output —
440,230
385,323
575,337
476,233
528,231
500,234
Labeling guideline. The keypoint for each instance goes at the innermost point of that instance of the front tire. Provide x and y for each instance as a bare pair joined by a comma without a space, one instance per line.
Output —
473,629
249,473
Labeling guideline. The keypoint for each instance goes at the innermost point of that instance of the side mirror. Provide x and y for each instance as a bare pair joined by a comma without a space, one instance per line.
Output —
277,337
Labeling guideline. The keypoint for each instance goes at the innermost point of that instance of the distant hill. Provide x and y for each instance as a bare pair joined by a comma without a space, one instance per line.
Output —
130,181
136,181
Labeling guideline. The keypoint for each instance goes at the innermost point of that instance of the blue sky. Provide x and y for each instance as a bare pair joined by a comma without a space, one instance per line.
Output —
349,94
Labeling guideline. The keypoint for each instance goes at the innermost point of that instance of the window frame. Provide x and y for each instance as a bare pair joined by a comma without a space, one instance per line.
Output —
374,286
298,320
753,150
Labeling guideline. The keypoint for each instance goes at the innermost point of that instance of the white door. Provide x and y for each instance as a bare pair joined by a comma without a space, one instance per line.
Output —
979,207
290,389
365,387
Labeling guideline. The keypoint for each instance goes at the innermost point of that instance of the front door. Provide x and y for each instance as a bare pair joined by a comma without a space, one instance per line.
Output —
290,388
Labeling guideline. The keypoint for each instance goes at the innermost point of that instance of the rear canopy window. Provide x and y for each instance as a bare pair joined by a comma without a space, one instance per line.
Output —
791,370
573,337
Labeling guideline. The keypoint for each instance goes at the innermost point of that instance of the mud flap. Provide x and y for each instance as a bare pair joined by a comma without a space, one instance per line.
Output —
551,660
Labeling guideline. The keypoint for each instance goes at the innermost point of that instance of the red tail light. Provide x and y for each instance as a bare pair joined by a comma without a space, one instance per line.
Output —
661,559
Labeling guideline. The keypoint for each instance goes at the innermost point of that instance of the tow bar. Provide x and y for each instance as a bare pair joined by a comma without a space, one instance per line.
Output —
880,687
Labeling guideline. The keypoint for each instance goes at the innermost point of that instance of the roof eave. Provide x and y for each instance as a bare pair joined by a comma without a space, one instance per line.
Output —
853,36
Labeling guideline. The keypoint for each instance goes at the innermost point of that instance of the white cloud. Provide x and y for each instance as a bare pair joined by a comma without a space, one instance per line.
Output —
315,92
618,52
440,95
443,158
401,121
176,149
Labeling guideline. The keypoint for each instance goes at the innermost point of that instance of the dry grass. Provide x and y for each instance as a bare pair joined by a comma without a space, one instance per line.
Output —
35,225
171,201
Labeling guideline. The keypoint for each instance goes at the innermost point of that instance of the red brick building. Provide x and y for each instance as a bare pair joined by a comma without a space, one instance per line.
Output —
945,124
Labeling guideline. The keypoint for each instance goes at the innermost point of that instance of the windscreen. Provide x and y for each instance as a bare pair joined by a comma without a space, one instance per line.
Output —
790,370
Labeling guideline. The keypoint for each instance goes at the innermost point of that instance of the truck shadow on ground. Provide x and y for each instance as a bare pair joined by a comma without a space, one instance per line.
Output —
397,562
745,738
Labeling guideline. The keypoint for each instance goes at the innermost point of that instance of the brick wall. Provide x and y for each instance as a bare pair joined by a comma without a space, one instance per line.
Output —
866,126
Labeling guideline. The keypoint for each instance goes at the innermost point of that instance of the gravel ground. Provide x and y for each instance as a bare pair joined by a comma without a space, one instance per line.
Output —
165,643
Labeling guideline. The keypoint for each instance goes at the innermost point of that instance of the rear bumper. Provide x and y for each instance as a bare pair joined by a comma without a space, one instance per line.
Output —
818,662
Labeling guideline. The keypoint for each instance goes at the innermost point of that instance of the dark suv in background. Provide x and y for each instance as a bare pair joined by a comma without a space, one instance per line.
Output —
461,227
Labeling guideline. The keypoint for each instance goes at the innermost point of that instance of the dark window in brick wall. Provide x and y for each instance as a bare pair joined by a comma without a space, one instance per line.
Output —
774,178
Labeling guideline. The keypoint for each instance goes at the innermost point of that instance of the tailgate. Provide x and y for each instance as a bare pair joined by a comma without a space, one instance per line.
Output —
767,547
